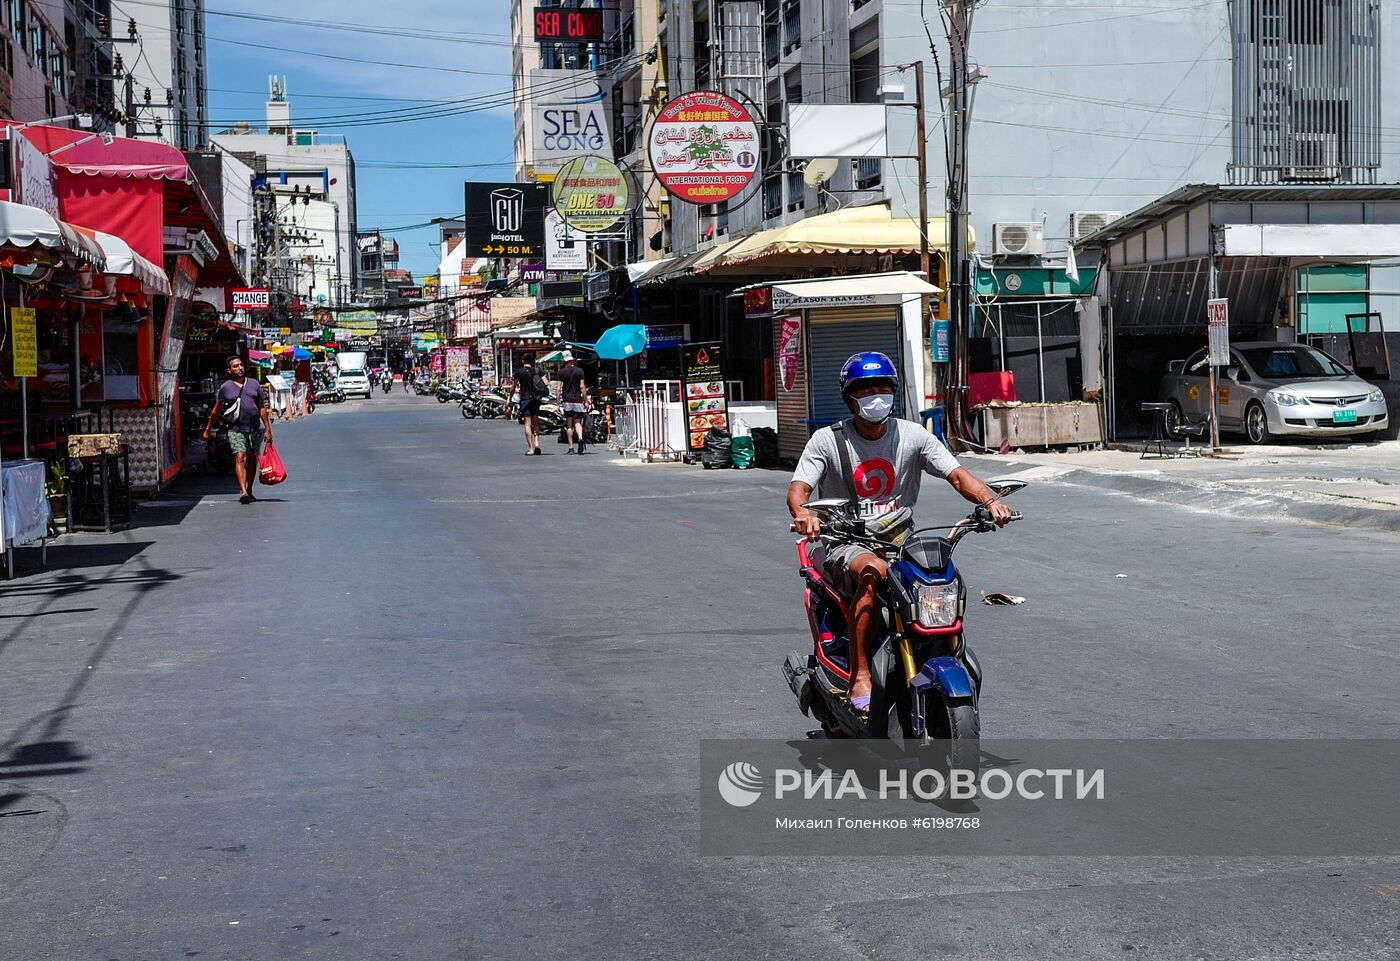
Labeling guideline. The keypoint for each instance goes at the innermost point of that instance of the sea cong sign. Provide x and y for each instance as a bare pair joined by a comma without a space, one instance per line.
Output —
703,147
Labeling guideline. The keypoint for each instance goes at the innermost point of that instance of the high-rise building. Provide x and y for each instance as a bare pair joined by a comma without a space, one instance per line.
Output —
163,91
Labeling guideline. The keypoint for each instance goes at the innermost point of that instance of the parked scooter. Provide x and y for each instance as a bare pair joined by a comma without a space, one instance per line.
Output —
329,395
491,403
926,679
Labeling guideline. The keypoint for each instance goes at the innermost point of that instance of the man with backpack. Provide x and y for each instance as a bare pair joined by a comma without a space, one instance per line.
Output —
241,406
532,388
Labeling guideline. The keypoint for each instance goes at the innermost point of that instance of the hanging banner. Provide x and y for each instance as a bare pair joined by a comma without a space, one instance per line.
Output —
704,147
24,342
702,367
458,363
942,346
789,350
505,219
565,248
590,193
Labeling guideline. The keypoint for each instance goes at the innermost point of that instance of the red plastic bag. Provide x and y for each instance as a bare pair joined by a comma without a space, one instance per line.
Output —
270,469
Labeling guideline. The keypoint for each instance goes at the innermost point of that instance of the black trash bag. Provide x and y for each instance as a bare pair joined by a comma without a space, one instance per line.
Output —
765,448
715,456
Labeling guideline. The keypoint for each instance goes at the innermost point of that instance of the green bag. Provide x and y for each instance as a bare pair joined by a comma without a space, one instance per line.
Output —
741,452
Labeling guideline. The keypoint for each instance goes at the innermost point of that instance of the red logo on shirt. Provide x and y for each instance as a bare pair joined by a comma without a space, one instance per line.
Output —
874,478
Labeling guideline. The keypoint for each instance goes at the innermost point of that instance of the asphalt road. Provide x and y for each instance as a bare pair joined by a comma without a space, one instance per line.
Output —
433,700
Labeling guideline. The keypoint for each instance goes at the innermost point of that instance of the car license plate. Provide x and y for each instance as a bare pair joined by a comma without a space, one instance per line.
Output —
1344,417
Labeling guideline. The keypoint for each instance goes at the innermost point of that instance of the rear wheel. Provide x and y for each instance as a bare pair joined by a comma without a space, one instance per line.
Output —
1172,419
1256,424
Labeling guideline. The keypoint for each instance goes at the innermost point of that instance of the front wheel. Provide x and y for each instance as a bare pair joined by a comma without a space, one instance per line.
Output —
959,726
1256,424
1172,419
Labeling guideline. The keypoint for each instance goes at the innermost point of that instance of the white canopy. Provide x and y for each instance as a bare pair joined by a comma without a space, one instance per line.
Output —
125,262
23,226
853,291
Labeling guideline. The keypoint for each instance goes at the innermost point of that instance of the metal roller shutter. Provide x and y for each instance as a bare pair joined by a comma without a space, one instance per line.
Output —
833,336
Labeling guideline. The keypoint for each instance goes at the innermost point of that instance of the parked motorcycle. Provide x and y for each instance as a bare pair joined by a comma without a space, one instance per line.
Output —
329,395
551,417
491,403
926,679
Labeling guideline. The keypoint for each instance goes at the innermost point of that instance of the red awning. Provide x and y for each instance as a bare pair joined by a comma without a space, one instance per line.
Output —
134,189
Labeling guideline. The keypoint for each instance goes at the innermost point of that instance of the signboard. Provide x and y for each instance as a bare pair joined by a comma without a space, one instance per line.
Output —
564,247
250,298
457,363
1218,312
552,289
942,345
789,350
24,339
570,119
590,193
782,300
702,372
667,335
532,273
172,345
505,219
410,293
35,183
561,25
758,303
704,147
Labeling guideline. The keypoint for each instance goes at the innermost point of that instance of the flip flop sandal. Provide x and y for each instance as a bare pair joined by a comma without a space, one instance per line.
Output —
862,703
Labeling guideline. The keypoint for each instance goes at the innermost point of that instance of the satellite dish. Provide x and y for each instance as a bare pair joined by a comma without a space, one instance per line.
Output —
820,170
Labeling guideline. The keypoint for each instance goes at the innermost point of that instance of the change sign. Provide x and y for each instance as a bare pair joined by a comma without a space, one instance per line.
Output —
590,193
250,298
505,219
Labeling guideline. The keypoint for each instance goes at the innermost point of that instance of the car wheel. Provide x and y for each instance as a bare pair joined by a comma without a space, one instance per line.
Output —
1256,424
1172,419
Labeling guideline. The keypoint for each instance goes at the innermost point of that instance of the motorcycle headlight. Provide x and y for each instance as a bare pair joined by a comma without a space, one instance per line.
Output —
1376,397
938,604
1284,399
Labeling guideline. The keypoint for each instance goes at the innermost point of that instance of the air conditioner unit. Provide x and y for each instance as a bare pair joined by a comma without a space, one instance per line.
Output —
1313,156
1082,223
1018,240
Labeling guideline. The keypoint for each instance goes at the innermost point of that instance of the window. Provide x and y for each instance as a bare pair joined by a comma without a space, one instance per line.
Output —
702,54
1293,361
1307,21
792,25
17,21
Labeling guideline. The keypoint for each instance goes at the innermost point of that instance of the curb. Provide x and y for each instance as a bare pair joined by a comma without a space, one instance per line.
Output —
1212,498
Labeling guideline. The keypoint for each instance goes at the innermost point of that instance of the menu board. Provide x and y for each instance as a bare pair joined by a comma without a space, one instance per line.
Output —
705,404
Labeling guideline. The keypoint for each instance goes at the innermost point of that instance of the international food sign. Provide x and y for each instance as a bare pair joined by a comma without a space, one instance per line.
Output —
705,405
590,193
703,147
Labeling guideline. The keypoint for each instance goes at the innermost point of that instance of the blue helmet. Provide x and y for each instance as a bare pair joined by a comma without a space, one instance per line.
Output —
865,366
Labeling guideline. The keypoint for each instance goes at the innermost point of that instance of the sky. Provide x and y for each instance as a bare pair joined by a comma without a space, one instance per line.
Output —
464,43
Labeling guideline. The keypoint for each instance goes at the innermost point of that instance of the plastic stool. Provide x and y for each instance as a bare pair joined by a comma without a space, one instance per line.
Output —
933,418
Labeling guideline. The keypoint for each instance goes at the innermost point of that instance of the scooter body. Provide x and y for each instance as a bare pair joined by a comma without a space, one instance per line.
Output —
926,680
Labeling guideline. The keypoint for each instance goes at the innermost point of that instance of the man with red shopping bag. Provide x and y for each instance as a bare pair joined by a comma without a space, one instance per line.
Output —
270,469
241,407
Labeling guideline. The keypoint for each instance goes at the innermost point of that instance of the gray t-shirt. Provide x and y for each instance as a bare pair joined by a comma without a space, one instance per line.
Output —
886,471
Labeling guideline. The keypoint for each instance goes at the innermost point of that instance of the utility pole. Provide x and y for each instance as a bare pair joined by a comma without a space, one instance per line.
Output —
959,97
924,264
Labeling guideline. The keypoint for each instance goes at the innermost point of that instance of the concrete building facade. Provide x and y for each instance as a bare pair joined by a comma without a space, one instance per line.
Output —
164,92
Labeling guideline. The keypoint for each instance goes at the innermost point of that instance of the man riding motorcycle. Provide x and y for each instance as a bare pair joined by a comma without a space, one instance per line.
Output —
885,457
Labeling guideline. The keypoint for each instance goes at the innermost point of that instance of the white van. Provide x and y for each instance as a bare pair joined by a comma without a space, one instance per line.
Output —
354,375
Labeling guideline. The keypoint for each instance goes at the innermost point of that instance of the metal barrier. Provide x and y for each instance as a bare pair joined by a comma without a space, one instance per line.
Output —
653,425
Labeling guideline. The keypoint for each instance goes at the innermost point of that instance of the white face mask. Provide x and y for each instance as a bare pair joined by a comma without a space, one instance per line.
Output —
876,408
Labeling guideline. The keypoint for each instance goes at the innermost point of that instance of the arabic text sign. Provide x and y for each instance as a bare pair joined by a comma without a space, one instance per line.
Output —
25,342
704,147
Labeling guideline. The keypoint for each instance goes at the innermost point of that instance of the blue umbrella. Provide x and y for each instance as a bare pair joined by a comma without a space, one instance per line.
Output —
301,353
621,342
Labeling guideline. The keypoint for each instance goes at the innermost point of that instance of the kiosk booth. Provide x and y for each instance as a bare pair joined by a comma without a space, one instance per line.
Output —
819,323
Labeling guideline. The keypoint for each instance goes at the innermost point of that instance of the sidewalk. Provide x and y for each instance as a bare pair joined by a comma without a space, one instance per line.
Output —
1334,485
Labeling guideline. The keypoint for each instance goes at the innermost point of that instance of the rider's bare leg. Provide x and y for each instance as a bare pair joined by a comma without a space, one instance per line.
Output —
867,571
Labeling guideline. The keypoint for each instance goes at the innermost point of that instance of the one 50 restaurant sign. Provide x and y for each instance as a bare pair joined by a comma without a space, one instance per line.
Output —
704,147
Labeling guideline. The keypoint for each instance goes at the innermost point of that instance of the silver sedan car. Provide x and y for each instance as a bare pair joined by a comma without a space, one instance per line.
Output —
1271,389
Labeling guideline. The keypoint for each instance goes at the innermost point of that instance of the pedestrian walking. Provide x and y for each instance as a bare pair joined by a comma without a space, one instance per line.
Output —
573,392
241,405
531,388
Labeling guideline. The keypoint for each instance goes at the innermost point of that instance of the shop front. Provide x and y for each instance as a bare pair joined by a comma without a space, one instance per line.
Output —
817,324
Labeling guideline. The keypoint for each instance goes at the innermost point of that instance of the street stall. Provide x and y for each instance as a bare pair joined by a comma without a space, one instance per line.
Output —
819,323
145,194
